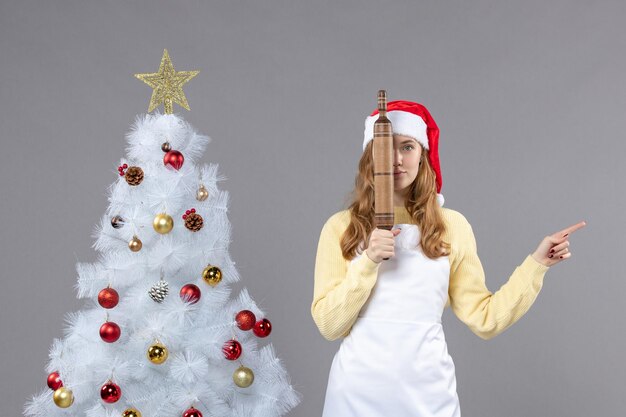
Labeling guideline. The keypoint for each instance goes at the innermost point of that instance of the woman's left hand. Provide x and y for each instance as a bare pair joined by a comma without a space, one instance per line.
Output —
554,248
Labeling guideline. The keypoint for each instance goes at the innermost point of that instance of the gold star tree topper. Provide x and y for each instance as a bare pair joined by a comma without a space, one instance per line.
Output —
167,85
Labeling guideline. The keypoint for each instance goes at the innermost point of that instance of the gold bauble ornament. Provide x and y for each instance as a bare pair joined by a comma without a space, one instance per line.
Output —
212,275
243,377
135,244
163,223
63,397
131,412
202,193
157,353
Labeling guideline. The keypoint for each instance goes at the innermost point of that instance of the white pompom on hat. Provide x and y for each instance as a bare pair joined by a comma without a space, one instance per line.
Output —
414,120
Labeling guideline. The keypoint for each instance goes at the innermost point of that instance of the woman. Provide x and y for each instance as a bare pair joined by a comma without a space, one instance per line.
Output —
393,359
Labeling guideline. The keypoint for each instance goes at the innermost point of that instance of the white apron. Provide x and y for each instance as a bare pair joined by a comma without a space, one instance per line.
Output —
395,360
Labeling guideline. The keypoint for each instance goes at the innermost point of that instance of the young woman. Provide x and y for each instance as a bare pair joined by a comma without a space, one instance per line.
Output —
393,359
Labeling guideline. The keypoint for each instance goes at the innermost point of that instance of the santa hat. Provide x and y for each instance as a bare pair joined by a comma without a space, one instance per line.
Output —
413,120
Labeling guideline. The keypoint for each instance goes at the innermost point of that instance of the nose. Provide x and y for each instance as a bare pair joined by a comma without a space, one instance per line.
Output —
397,157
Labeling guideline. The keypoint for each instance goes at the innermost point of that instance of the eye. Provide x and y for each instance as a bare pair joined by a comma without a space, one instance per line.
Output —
409,146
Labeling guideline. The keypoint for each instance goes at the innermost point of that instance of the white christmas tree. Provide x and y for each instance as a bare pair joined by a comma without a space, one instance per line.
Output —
160,334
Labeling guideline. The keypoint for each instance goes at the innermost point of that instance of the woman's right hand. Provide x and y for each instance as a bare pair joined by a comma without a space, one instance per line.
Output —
381,244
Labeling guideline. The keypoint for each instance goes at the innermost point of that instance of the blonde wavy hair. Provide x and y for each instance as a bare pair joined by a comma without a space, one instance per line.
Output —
420,202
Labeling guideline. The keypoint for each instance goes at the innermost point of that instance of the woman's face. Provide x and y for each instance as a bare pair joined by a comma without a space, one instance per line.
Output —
406,160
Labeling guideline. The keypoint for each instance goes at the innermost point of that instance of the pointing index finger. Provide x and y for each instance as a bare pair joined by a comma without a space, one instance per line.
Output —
571,229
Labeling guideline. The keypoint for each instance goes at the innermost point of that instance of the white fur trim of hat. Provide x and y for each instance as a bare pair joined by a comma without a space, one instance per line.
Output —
403,123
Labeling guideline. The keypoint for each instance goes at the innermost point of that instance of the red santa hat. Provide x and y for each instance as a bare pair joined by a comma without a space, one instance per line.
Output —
413,120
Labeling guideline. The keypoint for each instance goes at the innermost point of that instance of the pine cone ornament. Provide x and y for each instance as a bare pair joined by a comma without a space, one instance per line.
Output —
193,221
159,291
134,175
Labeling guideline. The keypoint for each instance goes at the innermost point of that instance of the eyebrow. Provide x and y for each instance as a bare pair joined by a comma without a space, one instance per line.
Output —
407,141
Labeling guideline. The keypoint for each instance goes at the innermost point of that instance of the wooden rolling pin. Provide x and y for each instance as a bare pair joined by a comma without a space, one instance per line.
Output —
382,155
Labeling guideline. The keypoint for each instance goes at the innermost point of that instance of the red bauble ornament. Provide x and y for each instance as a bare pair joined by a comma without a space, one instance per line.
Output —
232,349
174,158
110,392
190,293
192,412
54,381
108,298
110,332
245,319
262,328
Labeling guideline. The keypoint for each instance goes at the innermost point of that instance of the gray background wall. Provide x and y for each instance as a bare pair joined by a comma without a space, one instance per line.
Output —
530,98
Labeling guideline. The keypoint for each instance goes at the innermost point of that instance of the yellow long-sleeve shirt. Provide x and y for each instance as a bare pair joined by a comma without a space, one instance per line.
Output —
342,288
